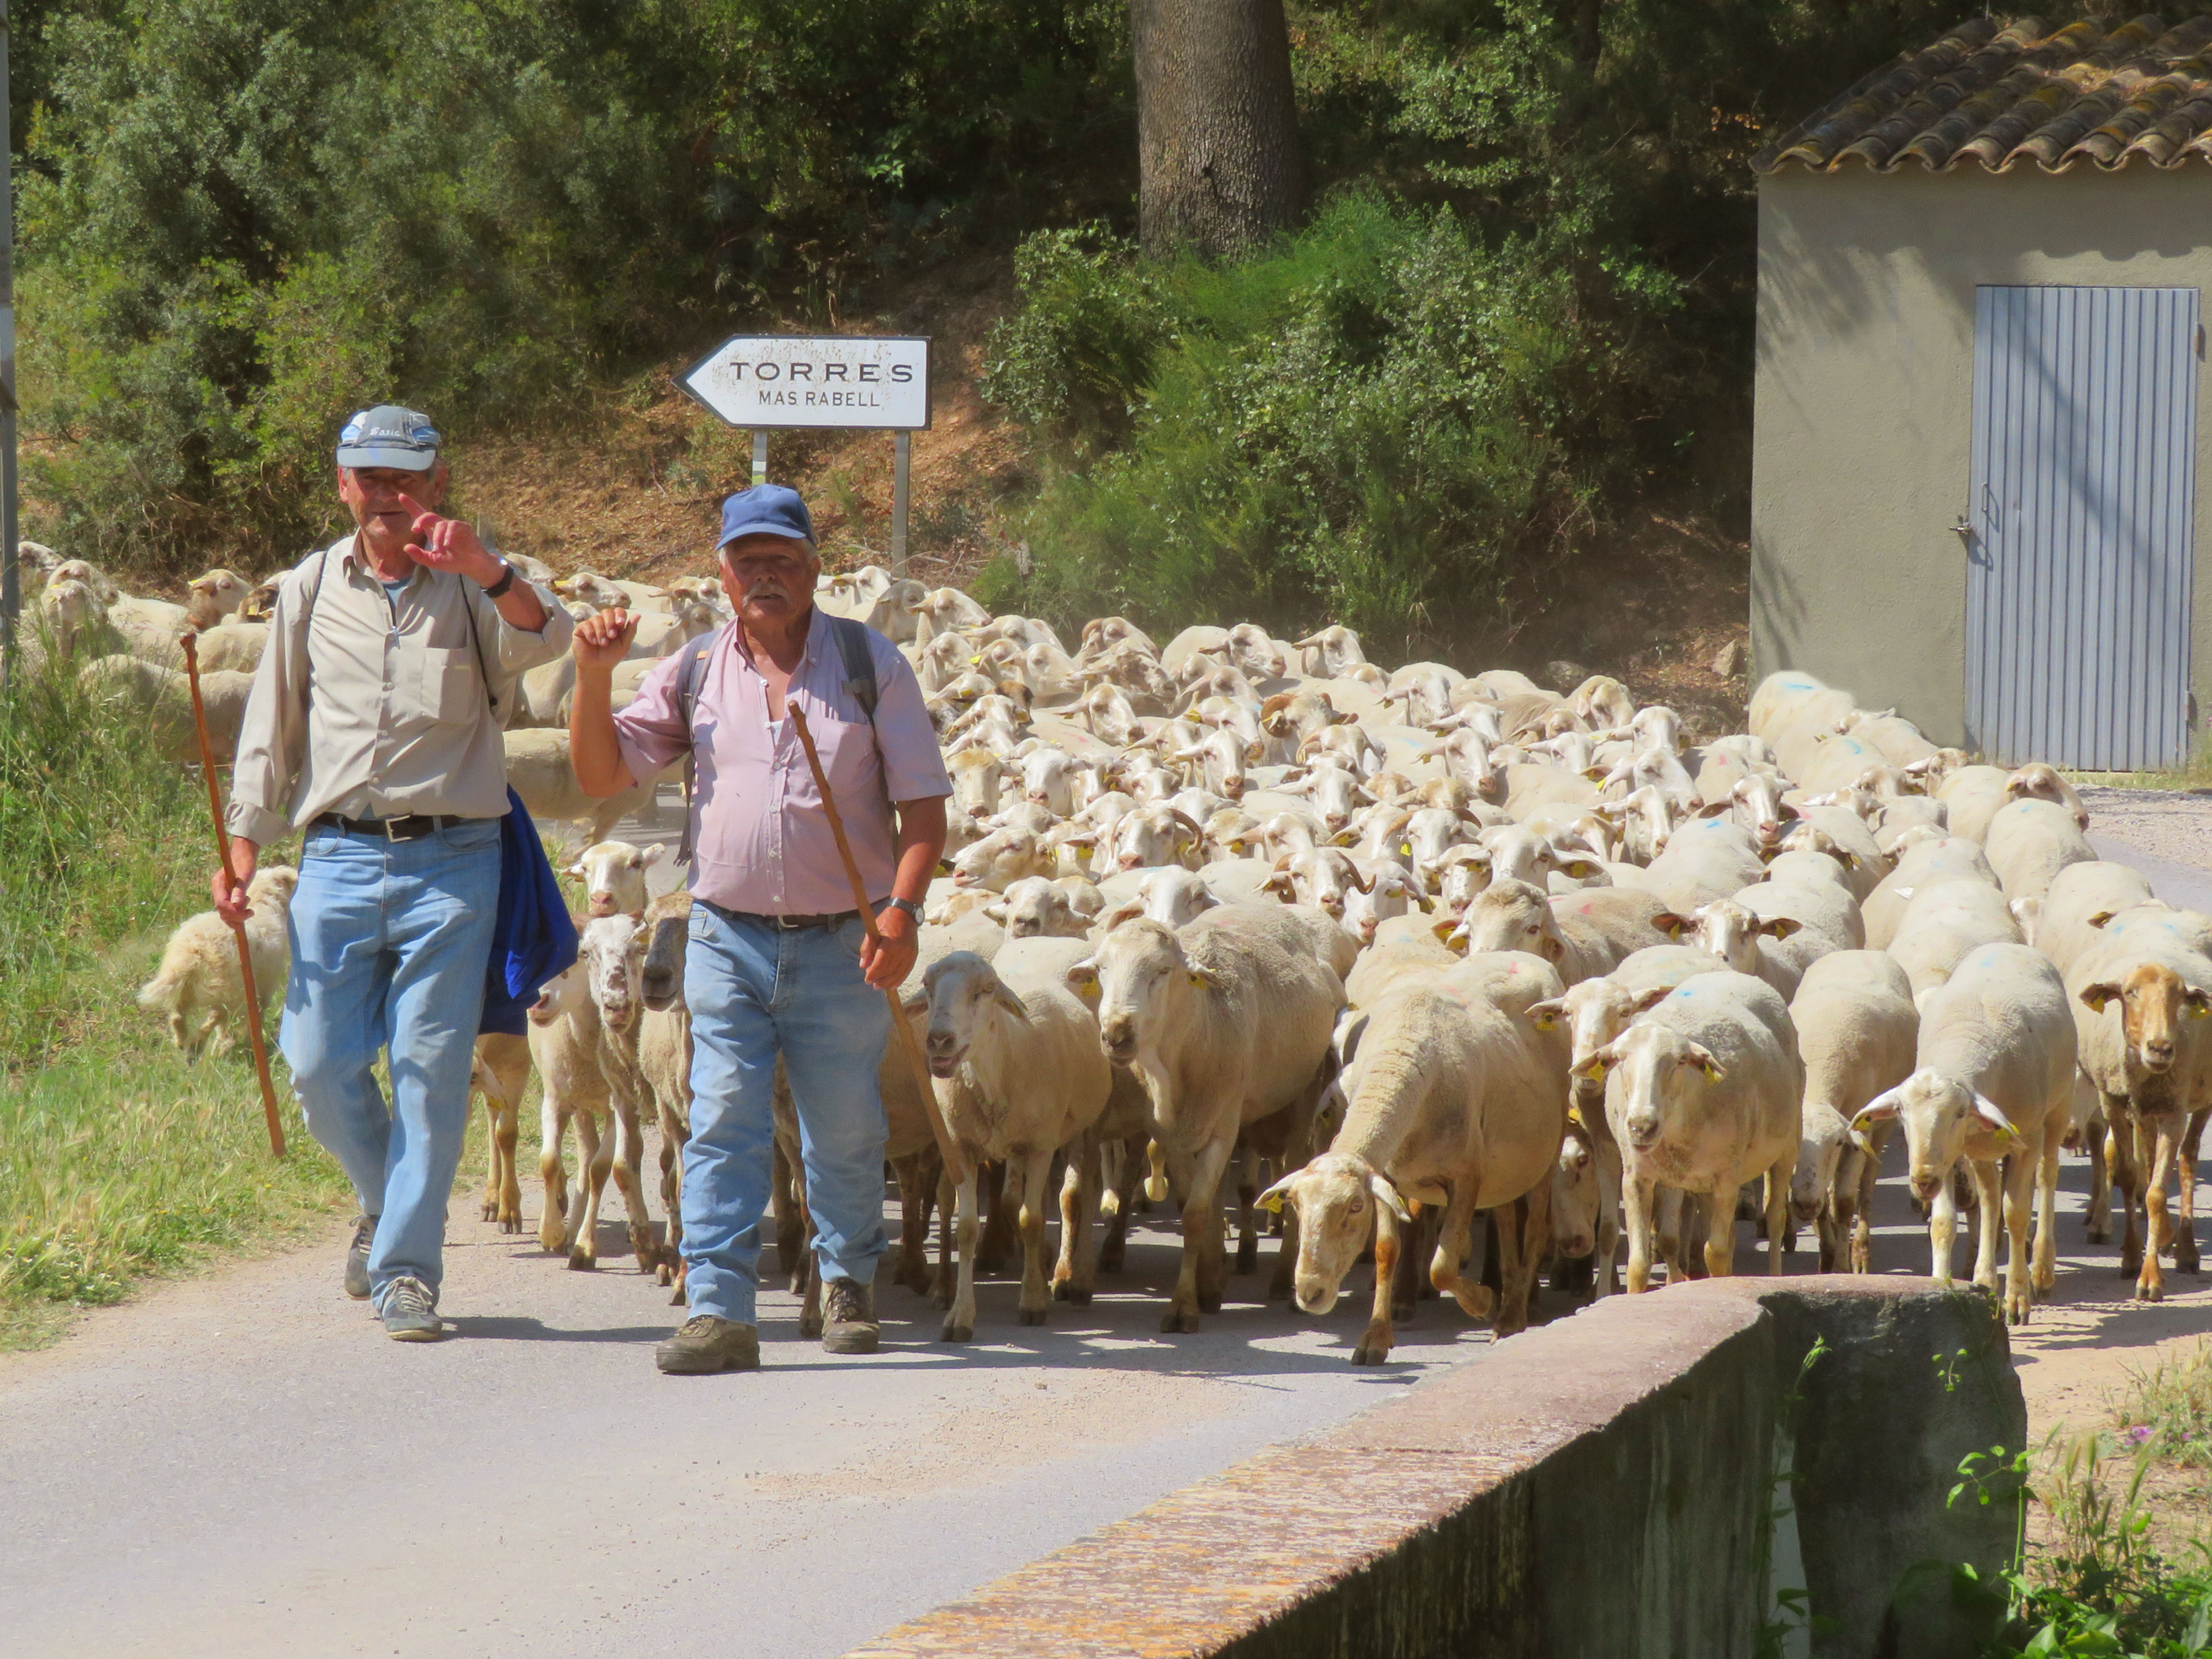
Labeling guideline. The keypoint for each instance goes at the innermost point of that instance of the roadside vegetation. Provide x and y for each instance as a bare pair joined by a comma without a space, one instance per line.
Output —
1512,314
2123,1562
116,1158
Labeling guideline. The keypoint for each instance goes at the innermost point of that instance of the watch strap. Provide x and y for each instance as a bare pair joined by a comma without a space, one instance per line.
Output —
505,581
908,906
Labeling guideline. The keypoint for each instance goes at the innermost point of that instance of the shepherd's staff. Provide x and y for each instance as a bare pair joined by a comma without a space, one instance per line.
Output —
947,1148
191,642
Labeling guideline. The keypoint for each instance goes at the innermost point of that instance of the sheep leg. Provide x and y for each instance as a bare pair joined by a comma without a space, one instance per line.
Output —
1943,1231
488,1207
1989,1217
1454,1243
999,1228
2150,1285
1375,1341
595,1156
1199,1280
942,1288
809,1303
1117,1202
1719,1253
674,1134
552,1219
1406,1282
1286,1258
2017,1192
1669,1220
1608,1273
917,1185
2184,1234
1863,1223
2046,1210
629,1162
960,1320
1248,1188
1076,1272
2097,1222
505,1133
1777,1205
1522,1228
177,1034
2124,1154
1035,1173
1637,1196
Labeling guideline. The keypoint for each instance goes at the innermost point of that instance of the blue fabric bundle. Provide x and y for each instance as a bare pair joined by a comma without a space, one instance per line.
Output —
533,937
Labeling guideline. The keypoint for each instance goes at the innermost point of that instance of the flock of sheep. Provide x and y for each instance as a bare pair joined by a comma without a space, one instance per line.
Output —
1386,953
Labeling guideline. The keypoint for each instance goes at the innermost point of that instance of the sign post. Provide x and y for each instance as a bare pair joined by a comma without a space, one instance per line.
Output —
869,382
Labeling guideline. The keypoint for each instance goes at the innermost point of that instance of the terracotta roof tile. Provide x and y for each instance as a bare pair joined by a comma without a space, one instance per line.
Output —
2000,93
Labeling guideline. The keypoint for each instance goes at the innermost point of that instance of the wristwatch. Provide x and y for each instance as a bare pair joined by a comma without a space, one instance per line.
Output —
505,581
910,907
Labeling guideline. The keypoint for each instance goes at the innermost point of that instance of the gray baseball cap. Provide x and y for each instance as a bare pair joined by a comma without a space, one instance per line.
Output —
389,435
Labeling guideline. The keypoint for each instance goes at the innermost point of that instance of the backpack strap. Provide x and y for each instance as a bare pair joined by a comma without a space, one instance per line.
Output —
690,674
859,661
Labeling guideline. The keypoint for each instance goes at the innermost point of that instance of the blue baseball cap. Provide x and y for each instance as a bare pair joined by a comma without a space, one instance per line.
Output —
766,510
389,435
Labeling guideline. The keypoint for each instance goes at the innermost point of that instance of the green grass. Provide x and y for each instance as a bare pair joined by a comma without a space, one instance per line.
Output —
117,1159
2194,773
2167,1410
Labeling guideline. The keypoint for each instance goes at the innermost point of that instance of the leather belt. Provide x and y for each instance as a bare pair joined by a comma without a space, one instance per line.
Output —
412,826
787,924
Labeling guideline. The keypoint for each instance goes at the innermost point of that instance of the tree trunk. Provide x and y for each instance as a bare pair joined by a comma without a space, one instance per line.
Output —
1216,125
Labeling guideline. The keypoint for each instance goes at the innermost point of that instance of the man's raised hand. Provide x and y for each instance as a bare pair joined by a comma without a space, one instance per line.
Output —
449,544
603,640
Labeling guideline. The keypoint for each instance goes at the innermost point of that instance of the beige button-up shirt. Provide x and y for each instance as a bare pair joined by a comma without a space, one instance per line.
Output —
375,705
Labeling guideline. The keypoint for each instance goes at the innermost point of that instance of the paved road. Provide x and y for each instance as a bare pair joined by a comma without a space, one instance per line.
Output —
242,1465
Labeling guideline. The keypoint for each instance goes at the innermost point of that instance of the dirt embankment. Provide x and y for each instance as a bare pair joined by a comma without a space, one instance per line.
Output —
633,489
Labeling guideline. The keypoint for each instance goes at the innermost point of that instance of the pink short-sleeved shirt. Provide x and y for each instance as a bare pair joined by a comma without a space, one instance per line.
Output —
761,840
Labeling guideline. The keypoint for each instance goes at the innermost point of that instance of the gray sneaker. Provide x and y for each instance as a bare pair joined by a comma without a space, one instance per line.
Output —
356,1267
410,1312
848,1317
707,1344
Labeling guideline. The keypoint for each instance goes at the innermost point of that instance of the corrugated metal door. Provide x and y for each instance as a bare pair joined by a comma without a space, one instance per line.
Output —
2082,531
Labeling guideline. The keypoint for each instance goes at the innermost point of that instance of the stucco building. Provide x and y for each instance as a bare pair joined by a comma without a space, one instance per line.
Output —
1980,443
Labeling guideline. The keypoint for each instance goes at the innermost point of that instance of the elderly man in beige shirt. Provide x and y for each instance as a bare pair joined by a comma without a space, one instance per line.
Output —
374,724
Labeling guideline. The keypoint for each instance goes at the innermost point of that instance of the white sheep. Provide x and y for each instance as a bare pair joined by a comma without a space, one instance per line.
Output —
199,975
1993,1078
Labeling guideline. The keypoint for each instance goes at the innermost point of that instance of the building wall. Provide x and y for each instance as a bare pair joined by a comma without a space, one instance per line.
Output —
1864,424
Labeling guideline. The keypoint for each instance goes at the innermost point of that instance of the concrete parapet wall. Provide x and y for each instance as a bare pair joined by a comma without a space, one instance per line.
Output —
1604,1485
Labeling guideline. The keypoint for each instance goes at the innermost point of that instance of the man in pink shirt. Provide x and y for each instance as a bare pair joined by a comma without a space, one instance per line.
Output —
778,961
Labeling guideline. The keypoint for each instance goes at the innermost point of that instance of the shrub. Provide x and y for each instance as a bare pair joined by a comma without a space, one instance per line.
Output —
1375,423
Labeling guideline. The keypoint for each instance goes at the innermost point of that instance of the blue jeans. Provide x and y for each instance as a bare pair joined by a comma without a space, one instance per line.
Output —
389,943
755,991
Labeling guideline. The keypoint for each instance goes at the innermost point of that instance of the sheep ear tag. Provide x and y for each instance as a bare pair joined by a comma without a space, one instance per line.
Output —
1546,1021
1712,1070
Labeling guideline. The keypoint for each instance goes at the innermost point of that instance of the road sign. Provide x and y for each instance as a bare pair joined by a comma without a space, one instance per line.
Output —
872,381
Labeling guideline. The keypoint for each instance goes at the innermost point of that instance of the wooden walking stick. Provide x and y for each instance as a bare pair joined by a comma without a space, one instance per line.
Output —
954,1166
191,642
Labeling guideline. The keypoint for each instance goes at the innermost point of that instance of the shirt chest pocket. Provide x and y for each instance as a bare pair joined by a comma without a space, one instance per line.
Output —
438,685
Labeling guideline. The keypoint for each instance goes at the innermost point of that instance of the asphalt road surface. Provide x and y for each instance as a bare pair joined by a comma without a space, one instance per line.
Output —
242,1465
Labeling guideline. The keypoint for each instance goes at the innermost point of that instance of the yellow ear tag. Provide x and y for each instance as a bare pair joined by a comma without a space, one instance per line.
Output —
1712,1072
1546,1022
1272,1201
1575,1117
1405,850
1197,978
2194,1011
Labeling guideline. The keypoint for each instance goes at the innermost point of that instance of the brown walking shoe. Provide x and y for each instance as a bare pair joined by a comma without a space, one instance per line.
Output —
706,1345
848,1317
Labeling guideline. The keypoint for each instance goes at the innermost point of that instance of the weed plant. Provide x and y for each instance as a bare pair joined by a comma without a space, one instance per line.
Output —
116,1158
